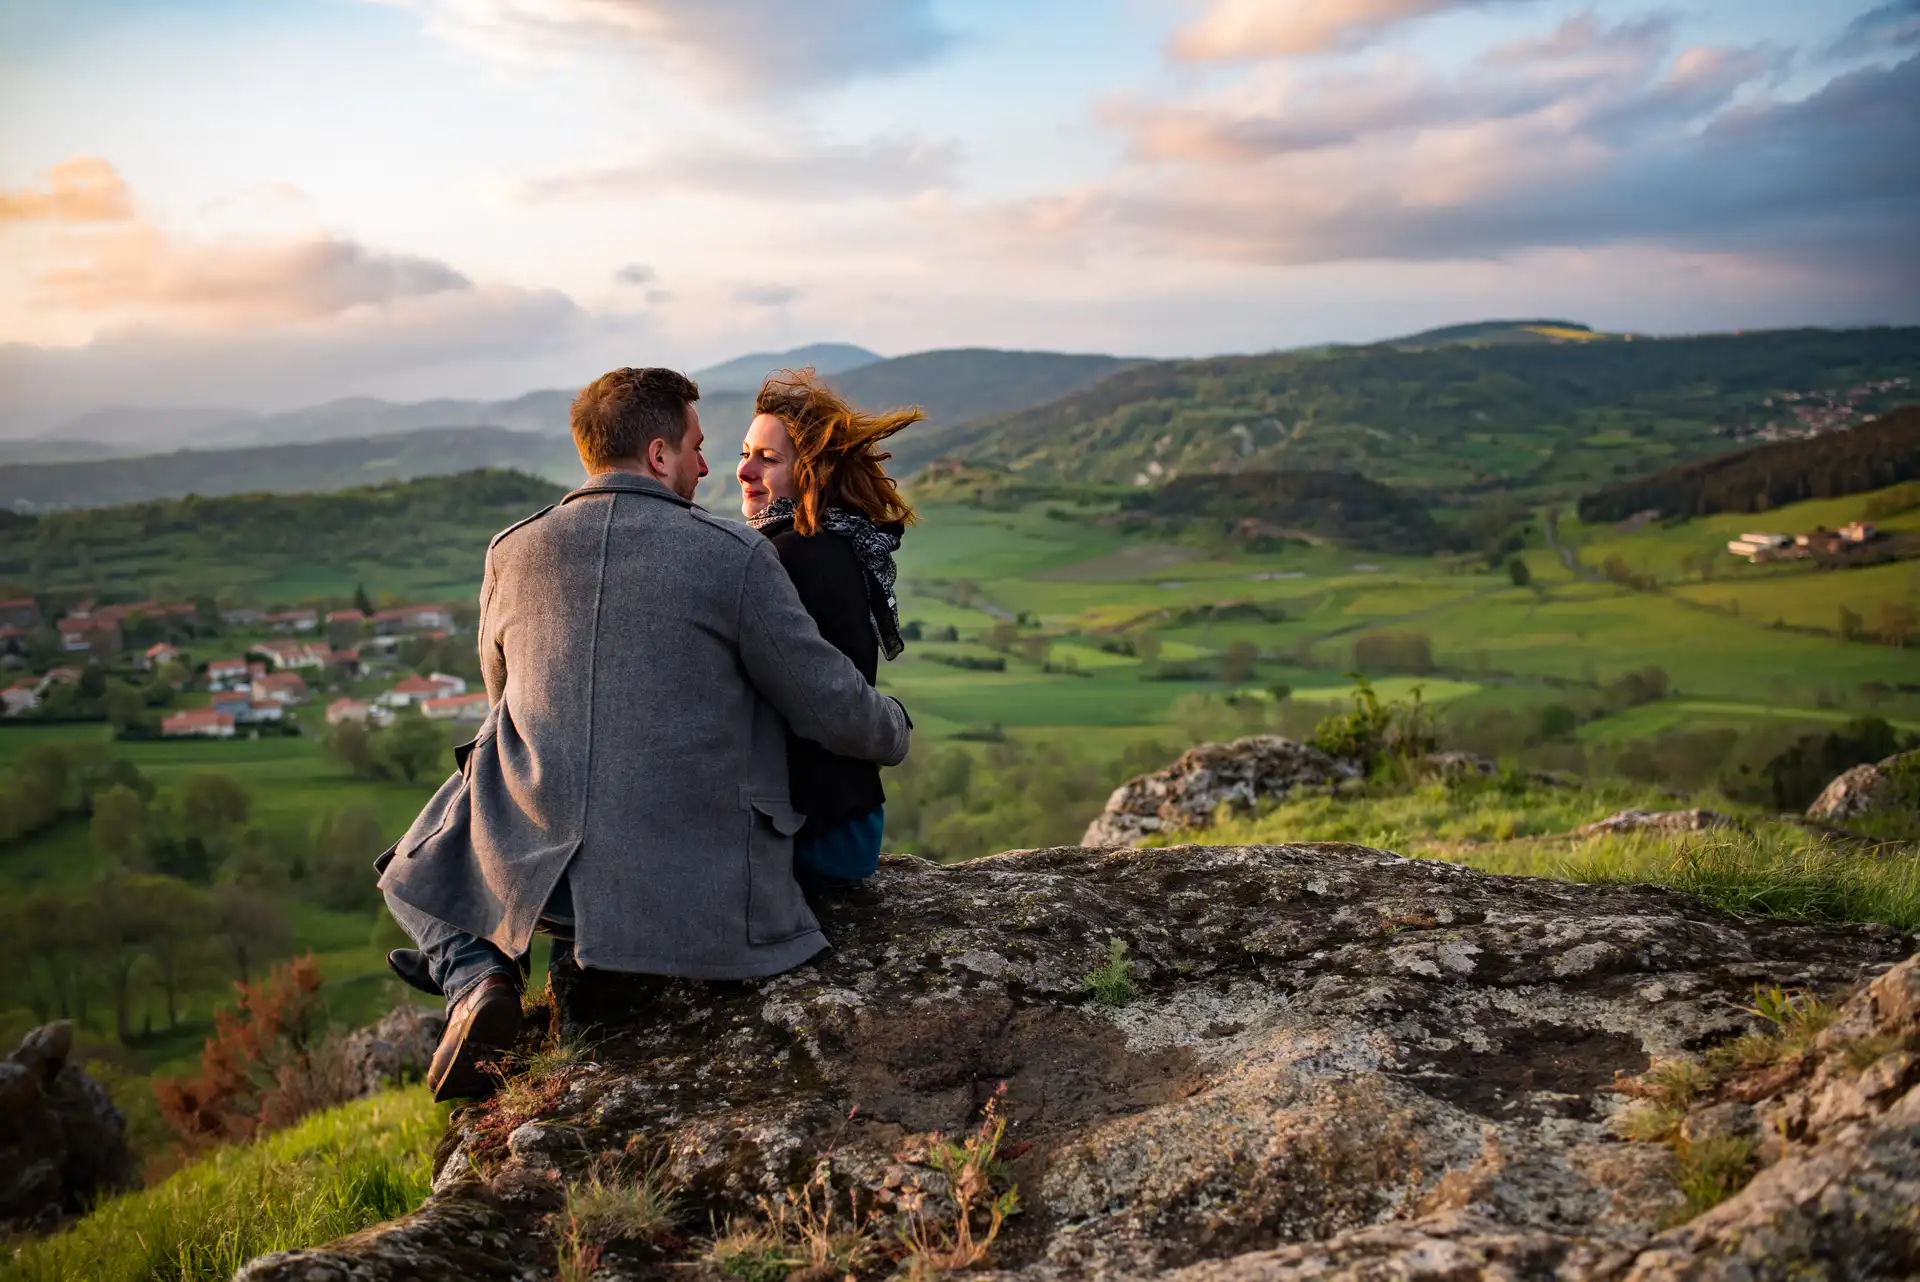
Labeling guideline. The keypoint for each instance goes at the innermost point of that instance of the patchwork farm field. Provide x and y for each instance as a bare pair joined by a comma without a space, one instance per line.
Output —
1056,654
1065,594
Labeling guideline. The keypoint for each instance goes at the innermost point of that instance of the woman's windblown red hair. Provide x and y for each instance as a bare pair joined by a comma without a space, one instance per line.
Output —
836,462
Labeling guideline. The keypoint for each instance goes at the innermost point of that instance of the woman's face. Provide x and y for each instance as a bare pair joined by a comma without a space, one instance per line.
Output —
766,465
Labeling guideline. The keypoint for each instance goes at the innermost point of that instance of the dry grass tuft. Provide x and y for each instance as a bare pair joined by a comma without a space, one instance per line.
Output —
804,1234
611,1206
960,1237
801,1231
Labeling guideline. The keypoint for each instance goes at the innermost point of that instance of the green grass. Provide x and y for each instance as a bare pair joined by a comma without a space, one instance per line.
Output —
1111,982
1809,598
1435,818
1651,719
332,1174
1771,868
1433,690
1658,548
1778,871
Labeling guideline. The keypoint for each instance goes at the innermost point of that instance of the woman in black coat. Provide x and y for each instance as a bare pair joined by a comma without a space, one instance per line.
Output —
811,480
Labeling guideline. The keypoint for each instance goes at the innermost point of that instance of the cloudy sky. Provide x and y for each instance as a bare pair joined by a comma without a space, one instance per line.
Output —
266,205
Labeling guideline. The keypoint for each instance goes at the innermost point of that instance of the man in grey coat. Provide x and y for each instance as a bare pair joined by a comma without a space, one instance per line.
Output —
628,787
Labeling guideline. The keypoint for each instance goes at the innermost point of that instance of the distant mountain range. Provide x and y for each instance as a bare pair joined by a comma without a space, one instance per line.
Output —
100,459
138,430
1513,411
316,467
744,374
124,429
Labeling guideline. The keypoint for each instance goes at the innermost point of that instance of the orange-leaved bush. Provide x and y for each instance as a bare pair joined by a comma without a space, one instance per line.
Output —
265,1066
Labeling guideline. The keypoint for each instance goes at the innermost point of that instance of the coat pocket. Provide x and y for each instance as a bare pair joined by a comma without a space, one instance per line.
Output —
447,804
463,752
776,911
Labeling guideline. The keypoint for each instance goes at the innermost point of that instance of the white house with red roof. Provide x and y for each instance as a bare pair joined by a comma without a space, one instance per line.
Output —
97,635
20,612
456,707
235,703
408,619
157,654
204,723
293,654
281,687
418,689
21,696
228,674
357,710
303,620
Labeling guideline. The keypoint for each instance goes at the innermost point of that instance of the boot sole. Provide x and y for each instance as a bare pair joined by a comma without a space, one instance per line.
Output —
490,1034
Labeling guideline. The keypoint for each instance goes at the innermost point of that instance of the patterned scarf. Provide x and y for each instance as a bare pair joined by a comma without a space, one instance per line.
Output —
873,544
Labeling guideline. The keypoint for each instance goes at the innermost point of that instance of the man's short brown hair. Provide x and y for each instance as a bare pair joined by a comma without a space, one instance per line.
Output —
619,414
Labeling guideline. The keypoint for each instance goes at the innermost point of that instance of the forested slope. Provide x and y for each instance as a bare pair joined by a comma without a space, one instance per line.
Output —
1459,420
1868,457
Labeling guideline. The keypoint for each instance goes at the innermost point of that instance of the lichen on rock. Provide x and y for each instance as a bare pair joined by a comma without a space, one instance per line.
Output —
1338,1062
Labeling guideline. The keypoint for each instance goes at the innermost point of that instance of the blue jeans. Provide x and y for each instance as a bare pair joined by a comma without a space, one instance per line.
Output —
457,961
841,855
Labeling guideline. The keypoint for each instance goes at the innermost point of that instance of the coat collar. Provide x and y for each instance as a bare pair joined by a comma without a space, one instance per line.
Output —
628,483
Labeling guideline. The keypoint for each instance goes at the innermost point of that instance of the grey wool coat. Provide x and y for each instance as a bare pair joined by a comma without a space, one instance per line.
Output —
643,660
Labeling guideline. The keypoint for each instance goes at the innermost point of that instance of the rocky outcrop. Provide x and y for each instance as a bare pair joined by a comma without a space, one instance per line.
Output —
1658,821
397,1049
1890,787
61,1139
1187,795
1837,1126
1297,1061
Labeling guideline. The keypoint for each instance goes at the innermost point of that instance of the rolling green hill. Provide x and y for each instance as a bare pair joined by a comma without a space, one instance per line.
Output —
321,466
1460,421
964,385
421,537
1527,332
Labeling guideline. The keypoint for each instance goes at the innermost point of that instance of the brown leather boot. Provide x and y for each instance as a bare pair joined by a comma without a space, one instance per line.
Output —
481,1029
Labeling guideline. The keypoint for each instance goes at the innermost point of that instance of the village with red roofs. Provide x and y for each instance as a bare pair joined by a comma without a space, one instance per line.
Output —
205,672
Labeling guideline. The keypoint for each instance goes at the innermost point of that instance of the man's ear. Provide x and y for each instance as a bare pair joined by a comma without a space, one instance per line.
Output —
657,456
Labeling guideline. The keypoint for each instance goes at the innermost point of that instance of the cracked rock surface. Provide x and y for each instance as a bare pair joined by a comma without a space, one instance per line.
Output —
1337,1063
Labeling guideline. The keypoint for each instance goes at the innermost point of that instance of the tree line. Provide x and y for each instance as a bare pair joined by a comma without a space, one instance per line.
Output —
1868,457
194,546
187,884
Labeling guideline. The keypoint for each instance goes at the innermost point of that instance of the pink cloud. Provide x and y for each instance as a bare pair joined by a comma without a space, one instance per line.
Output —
82,190
1243,30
